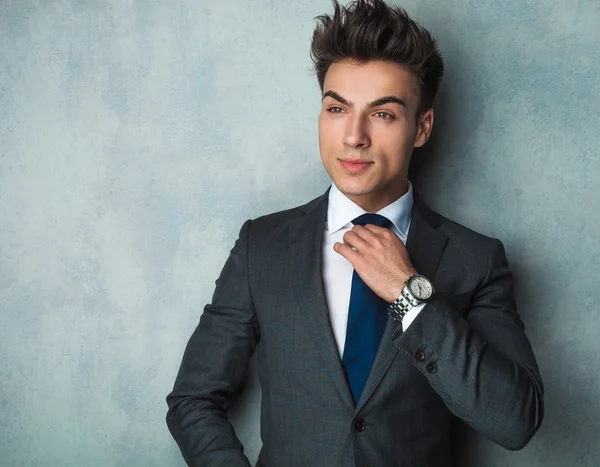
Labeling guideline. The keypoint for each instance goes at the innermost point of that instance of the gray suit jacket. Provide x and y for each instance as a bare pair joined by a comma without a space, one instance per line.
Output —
466,355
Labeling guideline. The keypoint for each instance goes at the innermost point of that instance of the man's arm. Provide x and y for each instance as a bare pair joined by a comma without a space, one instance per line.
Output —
482,364
213,366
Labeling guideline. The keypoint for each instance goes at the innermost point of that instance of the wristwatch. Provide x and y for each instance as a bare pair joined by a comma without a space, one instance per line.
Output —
417,289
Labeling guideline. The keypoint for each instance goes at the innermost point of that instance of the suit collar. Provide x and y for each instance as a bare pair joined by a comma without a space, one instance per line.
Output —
431,218
319,203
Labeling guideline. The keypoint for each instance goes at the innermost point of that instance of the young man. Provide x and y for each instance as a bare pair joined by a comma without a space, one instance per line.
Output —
367,348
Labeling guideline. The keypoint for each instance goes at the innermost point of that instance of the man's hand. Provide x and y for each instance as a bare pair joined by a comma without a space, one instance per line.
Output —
379,258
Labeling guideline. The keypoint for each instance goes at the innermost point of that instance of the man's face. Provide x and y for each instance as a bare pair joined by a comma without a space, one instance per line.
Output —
368,127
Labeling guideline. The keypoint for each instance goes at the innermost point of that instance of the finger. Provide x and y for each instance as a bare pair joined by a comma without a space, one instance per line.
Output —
380,232
346,251
376,229
364,233
352,239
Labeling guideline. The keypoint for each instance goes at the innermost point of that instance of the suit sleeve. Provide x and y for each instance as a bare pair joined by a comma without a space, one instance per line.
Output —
481,364
213,366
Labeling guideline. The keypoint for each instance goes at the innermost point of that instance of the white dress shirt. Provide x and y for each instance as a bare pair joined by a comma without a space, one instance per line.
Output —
337,270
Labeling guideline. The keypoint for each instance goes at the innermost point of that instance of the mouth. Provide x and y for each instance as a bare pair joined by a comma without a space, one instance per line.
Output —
355,166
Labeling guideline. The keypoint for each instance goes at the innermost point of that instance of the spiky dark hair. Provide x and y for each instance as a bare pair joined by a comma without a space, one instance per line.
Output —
366,30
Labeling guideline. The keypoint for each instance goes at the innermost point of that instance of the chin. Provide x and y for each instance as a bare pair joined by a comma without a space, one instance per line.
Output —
351,188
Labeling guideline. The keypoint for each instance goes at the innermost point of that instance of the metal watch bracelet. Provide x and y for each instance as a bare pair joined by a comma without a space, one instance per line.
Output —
402,305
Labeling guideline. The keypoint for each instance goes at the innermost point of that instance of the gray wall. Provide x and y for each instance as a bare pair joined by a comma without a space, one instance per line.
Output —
136,137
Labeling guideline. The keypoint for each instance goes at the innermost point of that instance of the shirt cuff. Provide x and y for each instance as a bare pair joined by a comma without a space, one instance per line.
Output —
411,315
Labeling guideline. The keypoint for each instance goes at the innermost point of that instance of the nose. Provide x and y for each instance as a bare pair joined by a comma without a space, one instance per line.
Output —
356,134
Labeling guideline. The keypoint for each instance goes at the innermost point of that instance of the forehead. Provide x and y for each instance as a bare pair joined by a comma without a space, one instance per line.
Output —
365,82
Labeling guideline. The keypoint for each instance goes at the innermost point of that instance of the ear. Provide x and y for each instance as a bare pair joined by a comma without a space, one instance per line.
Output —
424,126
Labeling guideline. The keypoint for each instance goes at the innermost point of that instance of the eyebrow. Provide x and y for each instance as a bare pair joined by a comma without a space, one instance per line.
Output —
375,103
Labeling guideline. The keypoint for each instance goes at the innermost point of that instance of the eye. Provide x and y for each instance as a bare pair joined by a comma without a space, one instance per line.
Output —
335,110
385,115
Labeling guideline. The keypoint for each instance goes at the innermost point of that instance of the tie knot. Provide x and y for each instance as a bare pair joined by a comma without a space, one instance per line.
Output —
374,219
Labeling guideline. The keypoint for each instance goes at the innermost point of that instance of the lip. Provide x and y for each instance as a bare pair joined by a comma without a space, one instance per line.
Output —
355,166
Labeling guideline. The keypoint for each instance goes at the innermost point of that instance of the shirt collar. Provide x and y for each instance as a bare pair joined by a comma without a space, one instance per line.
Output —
341,211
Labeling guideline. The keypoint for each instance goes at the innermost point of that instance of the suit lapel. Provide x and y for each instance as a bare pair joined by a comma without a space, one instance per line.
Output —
306,241
425,245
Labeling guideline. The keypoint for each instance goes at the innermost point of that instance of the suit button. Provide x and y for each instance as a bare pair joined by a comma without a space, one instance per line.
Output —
419,356
359,424
431,367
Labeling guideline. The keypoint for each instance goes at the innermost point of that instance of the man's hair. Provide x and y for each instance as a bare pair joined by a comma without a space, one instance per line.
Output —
368,30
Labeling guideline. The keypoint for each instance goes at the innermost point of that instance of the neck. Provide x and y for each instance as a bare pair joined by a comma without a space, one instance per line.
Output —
376,201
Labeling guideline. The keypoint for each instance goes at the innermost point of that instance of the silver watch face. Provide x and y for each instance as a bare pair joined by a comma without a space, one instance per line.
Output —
420,287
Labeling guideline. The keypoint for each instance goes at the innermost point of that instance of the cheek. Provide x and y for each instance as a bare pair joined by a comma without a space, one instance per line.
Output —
323,131
392,162
328,136
398,145
326,147
391,145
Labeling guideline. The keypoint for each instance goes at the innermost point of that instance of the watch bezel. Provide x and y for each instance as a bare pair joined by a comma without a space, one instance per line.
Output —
412,279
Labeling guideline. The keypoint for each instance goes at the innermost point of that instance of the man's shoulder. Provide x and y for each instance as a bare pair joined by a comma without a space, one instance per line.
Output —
457,230
464,239
280,219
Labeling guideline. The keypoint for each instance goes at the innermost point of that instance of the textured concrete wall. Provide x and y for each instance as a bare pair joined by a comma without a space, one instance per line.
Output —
136,137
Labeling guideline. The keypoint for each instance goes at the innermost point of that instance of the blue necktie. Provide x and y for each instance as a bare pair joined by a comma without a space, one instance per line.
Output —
367,317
